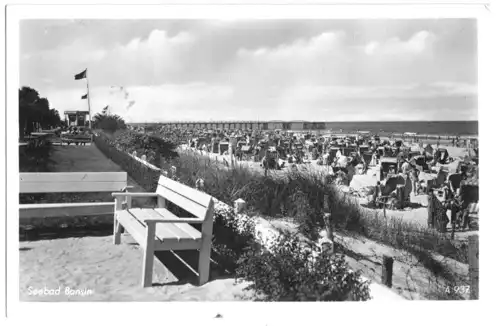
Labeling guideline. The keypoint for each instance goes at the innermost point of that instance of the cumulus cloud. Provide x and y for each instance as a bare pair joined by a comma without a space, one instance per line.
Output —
157,44
140,61
417,44
312,48
147,61
333,58
320,58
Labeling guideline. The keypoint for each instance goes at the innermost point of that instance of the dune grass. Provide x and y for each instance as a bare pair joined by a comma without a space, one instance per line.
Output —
302,195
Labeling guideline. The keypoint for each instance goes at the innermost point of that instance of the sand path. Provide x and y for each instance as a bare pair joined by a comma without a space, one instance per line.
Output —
106,272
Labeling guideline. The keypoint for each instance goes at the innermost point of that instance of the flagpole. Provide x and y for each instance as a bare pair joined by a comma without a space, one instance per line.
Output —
88,98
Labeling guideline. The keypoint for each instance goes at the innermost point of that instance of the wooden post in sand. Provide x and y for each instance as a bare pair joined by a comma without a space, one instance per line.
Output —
400,196
375,195
230,152
326,216
453,220
239,206
387,271
200,184
327,244
474,266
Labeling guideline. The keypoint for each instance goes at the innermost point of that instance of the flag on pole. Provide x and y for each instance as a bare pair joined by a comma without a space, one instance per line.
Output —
85,96
81,75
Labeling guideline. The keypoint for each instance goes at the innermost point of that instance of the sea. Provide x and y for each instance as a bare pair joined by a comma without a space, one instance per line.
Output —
420,127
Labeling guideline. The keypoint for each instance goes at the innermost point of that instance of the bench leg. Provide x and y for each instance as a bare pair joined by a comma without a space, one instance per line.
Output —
148,259
204,261
118,230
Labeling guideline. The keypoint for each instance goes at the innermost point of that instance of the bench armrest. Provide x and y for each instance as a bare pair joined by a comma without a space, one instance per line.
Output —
134,194
174,220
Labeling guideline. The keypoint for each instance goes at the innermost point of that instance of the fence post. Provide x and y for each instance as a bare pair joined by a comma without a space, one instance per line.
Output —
474,266
239,205
200,184
387,271
231,155
400,189
453,220
328,225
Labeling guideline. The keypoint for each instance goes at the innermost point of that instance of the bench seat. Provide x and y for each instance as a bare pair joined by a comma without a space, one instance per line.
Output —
172,236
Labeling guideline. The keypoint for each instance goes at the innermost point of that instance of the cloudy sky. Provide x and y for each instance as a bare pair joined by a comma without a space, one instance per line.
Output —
337,70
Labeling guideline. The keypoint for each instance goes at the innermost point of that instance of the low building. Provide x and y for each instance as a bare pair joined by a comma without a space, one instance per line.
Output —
76,118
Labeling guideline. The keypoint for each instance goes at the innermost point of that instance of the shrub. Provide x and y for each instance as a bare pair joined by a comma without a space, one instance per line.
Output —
145,144
152,147
232,235
144,176
287,272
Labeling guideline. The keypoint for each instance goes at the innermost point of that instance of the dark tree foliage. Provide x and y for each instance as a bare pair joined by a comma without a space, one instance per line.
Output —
33,110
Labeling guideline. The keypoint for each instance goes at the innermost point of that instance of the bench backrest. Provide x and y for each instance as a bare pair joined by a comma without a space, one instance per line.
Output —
189,199
72,182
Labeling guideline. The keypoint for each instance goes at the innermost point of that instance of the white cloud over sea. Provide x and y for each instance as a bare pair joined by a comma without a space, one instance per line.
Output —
290,70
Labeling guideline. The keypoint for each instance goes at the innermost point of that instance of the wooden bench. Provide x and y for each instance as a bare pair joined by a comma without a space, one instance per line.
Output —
157,229
70,182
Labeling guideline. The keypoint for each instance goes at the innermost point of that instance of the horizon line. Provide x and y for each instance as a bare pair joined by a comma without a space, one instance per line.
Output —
287,121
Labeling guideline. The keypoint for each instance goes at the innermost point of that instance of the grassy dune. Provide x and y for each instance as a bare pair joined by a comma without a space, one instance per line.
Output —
302,197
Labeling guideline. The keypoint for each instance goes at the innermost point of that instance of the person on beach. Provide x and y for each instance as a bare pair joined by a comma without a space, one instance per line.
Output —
351,171
414,179
315,153
374,159
441,217
437,218
365,165
239,154
430,209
